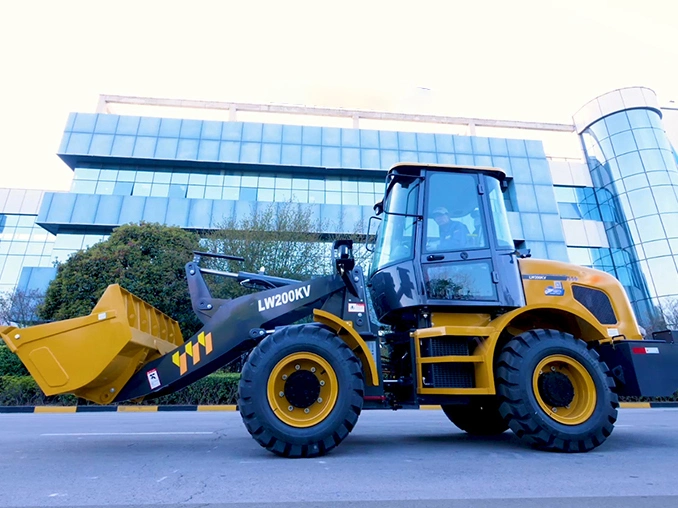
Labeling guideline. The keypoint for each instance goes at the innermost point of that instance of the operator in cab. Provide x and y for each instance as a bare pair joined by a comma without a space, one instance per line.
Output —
453,234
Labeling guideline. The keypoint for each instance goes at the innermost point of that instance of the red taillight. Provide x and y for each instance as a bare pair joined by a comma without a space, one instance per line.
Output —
639,351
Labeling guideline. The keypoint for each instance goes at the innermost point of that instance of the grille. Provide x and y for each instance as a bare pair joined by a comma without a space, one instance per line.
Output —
596,302
459,375
448,347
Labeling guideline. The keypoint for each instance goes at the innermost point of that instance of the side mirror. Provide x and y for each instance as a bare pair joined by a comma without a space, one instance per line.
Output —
369,247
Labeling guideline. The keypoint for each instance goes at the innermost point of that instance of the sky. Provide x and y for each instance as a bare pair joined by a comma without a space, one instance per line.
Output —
535,60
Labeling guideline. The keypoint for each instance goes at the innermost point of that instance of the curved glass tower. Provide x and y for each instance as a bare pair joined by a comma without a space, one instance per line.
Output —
634,171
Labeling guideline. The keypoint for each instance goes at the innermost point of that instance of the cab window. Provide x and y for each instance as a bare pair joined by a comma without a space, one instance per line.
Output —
454,217
396,234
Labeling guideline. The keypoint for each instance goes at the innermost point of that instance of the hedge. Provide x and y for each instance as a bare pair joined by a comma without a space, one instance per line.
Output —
218,388
10,365
18,388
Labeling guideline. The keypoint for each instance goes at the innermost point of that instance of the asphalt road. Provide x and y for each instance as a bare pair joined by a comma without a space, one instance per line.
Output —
403,459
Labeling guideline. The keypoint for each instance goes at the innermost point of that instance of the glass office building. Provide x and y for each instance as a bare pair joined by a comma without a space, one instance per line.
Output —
612,206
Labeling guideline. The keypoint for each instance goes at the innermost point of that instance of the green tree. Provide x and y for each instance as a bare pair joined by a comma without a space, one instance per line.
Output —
286,239
283,238
146,259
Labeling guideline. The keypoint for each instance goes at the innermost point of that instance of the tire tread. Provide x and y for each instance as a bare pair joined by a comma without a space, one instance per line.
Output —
519,413
256,427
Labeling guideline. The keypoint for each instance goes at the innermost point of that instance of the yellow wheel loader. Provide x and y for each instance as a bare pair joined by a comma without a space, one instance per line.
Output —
499,340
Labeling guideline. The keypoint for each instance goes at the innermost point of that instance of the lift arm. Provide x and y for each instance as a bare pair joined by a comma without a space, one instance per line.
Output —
232,327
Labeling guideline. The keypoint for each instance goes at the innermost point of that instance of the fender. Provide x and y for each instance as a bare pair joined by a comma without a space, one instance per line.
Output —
352,339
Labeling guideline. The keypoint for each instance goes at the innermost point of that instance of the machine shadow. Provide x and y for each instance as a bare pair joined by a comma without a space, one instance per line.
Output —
359,443
507,442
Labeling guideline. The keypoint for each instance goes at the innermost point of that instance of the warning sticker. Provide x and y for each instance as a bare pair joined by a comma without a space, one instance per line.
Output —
356,307
153,379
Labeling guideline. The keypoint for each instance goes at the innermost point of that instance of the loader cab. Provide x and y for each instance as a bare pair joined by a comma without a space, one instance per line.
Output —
443,244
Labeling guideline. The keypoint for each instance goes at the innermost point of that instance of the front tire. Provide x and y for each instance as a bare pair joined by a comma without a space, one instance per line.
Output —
301,391
479,418
555,393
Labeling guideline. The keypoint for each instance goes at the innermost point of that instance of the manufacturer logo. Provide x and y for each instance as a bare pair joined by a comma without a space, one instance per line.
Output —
271,302
555,290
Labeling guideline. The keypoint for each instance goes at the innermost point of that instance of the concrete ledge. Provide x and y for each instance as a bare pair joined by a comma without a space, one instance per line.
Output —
227,407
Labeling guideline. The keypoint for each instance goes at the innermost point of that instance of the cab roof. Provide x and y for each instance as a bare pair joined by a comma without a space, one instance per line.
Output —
415,168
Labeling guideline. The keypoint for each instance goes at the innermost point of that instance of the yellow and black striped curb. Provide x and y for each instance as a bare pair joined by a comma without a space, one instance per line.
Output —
113,409
224,407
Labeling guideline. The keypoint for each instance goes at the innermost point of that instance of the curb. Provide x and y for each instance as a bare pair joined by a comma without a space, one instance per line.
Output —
226,407
112,409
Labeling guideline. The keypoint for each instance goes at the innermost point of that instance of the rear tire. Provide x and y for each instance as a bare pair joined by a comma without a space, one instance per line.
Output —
301,391
479,418
555,393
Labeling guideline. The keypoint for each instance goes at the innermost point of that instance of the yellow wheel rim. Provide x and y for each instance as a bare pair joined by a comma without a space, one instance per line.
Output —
293,380
582,403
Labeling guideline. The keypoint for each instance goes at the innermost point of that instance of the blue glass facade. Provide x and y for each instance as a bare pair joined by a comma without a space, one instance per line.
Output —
195,173
28,252
169,139
634,171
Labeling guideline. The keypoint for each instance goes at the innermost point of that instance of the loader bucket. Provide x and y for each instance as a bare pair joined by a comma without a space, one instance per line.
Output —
94,356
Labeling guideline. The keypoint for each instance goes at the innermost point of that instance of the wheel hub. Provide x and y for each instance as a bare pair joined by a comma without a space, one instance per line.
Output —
564,389
302,389
556,389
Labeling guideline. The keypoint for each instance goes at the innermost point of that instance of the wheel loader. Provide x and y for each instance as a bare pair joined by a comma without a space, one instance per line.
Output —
449,314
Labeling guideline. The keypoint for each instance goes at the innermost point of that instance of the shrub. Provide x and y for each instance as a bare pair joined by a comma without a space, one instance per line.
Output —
218,388
10,365
24,391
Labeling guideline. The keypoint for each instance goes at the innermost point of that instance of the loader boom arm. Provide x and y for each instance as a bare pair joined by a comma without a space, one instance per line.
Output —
232,327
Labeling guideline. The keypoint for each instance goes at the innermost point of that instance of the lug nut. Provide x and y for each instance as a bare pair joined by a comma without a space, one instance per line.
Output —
297,367
290,408
554,409
307,411
322,383
282,394
284,376
553,369
312,369
320,399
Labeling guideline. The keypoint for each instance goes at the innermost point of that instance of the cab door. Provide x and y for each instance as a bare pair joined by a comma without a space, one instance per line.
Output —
456,255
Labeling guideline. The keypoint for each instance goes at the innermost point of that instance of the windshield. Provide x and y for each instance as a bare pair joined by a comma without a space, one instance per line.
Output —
395,237
499,215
